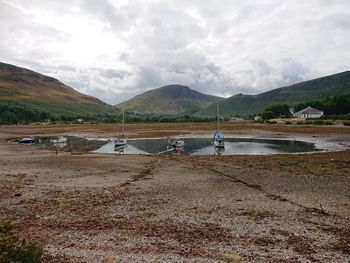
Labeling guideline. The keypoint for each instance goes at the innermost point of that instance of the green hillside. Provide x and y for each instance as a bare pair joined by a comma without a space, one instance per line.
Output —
43,93
167,99
312,90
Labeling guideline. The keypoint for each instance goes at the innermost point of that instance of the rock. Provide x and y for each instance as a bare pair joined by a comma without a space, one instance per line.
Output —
230,258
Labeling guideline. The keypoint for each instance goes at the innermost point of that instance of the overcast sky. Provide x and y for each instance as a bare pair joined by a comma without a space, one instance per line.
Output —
115,49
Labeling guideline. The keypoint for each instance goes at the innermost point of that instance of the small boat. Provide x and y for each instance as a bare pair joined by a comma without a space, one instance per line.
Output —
59,140
121,140
178,142
219,140
218,137
27,140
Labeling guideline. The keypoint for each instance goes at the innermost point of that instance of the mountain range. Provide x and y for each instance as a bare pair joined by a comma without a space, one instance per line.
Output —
44,93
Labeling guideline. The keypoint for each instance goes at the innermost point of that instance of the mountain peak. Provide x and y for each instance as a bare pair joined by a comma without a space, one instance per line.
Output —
167,99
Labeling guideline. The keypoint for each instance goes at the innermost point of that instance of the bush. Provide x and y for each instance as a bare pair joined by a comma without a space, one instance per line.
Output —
15,249
271,122
346,123
267,115
320,122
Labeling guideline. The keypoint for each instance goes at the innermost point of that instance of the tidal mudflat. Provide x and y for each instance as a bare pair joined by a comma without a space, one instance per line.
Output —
137,208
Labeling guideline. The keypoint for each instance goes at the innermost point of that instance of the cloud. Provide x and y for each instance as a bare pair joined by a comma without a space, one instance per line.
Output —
117,49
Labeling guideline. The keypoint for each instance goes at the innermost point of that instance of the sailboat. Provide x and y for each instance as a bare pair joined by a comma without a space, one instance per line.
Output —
178,142
121,139
218,137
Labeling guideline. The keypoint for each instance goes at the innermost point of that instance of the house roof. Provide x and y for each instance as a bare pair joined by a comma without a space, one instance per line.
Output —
309,110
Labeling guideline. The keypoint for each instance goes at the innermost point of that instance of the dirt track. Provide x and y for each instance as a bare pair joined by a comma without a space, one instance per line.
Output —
282,208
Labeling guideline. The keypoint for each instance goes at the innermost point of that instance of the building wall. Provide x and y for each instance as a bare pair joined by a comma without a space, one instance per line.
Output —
306,116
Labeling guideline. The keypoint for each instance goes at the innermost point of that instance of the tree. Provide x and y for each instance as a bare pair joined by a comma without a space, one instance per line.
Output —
276,111
267,115
9,117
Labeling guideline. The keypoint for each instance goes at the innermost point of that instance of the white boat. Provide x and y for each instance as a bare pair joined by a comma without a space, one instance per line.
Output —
178,142
121,140
27,140
218,137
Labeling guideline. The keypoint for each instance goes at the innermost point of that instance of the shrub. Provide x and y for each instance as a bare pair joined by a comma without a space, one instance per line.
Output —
320,122
266,115
15,249
346,123
271,122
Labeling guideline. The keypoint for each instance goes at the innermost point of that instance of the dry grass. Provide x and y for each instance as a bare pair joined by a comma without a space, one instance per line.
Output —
230,258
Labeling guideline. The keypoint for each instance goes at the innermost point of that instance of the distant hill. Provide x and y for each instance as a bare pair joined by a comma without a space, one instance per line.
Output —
44,93
167,99
316,89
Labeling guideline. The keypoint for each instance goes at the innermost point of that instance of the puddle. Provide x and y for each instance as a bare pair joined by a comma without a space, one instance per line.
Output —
204,146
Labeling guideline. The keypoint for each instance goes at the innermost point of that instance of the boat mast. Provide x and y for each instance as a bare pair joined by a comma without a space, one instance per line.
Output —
217,112
123,121
178,119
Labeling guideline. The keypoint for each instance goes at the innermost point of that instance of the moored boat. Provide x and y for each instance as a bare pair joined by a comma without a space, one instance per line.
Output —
27,140
218,137
121,140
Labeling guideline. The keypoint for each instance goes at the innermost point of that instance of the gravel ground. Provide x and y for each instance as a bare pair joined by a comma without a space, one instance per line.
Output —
281,208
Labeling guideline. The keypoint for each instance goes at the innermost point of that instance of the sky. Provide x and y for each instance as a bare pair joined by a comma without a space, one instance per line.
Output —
116,49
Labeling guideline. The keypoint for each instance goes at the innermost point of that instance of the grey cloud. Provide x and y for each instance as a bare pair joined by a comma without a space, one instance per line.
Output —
111,73
293,72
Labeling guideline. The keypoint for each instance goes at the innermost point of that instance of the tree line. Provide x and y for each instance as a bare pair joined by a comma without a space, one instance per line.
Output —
17,113
331,106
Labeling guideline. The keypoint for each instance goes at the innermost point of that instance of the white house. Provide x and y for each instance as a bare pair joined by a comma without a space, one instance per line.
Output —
308,113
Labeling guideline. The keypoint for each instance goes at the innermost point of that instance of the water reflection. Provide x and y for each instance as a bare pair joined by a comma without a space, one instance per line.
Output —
219,150
120,149
204,146
125,149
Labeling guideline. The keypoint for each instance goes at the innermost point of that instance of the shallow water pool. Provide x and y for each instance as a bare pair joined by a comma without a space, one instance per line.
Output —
204,146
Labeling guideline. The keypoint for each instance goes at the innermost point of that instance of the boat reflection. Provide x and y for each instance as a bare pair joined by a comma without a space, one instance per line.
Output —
120,149
219,150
